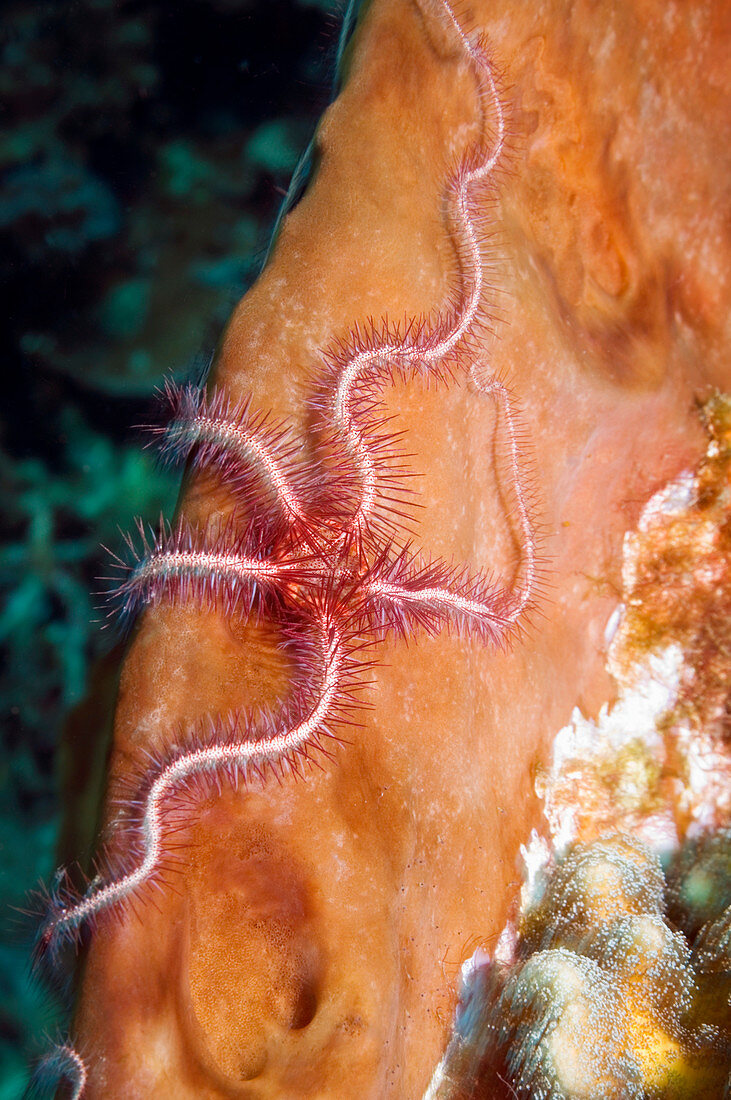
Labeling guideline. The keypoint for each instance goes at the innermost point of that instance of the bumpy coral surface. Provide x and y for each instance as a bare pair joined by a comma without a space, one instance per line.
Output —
605,997
619,983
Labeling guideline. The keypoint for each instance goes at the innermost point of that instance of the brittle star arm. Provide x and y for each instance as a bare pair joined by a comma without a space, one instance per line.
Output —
183,565
236,756
255,455
63,1062
422,351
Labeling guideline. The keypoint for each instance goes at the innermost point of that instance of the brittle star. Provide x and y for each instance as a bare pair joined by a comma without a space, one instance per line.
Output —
317,547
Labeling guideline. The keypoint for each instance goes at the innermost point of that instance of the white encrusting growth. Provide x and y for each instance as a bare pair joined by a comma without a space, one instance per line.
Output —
643,732
630,725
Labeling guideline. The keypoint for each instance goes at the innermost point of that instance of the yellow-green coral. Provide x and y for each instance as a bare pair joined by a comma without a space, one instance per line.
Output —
608,1000
594,884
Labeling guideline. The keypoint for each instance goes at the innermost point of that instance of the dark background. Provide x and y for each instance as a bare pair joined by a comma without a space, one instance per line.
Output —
145,147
